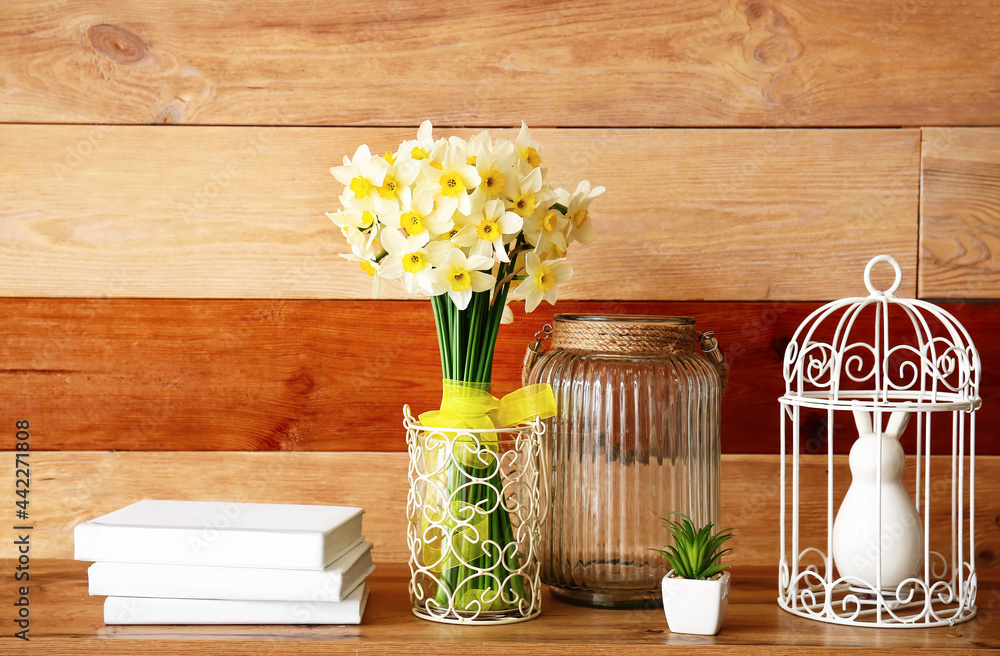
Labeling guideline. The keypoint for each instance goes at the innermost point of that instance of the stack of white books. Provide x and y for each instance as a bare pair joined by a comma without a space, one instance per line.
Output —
206,562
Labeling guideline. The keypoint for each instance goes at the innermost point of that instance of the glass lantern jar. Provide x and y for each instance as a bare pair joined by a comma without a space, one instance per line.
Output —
636,437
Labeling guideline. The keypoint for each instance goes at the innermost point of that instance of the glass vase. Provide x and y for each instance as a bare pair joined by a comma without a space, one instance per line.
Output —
473,522
636,437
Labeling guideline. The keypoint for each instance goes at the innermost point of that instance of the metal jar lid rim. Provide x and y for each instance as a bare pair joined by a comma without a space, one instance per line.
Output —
628,318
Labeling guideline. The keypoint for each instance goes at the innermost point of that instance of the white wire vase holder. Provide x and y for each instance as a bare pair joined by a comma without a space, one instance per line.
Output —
908,560
473,522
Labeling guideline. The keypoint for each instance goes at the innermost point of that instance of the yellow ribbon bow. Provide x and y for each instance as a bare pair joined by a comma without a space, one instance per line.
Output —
472,406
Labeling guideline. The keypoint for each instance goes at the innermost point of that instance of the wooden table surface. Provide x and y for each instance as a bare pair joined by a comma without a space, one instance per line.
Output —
66,620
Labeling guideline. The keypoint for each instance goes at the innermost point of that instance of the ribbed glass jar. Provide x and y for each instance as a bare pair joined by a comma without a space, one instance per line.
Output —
636,436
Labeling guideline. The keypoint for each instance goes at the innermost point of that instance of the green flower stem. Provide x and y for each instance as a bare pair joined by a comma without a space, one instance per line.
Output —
456,371
461,585
442,329
484,561
472,362
467,341
505,535
462,320
448,570
496,313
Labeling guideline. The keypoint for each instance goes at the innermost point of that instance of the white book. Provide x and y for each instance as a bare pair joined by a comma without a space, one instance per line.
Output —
202,582
225,534
146,610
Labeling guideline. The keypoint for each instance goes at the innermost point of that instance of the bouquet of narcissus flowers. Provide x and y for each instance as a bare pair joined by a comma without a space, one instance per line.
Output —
462,221
465,222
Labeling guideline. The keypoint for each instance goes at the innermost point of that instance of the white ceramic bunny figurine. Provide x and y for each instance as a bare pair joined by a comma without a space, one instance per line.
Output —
856,529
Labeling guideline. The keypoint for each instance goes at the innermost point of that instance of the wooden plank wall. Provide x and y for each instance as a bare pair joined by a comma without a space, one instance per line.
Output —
239,212
78,485
960,214
172,374
168,280
635,63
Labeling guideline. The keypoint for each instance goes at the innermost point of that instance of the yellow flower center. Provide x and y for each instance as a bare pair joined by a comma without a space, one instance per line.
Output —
488,230
367,268
419,152
389,157
546,280
579,218
361,187
346,230
452,233
389,189
471,161
413,263
493,182
551,221
532,157
459,280
436,165
525,205
451,185
412,223
367,219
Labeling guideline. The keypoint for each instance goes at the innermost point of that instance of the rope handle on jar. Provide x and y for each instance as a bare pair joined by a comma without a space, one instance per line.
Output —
534,352
710,349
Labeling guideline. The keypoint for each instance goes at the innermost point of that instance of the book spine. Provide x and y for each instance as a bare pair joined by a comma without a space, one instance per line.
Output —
275,550
186,582
134,610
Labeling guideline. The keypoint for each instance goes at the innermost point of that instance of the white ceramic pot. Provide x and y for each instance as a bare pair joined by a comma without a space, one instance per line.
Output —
695,606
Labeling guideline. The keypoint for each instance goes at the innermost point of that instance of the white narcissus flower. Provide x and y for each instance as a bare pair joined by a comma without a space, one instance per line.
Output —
369,266
526,193
508,314
418,216
490,230
463,148
580,227
421,147
543,278
460,276
451,183
349,201
526,147
362,174
495,164
545,231
395,188
412,259
353,223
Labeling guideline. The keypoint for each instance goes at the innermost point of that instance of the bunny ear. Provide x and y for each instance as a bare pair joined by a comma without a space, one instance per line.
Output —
897,423
863,420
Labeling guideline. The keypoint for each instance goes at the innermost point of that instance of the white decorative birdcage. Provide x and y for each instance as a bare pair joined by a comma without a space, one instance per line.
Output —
893,545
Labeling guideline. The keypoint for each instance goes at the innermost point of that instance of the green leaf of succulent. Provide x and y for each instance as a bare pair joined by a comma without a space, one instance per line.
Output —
691,559
677,561
713,570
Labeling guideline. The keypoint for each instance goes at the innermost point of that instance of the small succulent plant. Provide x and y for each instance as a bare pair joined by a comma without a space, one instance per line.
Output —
695,553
